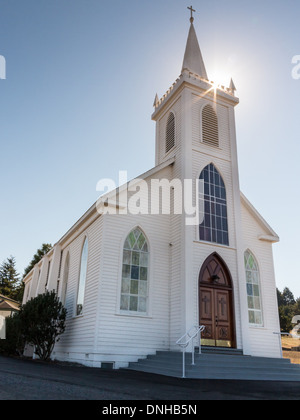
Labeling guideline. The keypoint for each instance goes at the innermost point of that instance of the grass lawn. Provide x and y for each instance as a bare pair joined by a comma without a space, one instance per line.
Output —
289,346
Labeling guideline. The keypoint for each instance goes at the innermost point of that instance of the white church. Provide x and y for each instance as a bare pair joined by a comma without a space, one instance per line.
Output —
133,284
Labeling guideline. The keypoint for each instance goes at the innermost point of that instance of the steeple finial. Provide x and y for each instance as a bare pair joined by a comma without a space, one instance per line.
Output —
192,10
193,60
232,87
156,100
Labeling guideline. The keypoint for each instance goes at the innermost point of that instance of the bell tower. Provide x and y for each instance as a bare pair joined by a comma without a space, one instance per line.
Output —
195,125
194,78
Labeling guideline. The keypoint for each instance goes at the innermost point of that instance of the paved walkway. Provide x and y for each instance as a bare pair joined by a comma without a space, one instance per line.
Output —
33,380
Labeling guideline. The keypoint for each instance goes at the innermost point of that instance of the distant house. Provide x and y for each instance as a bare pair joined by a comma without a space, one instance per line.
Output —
8,306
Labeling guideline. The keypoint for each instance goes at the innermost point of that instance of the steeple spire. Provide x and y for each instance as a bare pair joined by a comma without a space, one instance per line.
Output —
193,60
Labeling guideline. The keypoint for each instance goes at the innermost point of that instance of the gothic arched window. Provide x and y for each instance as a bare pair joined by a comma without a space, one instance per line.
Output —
214,227
65,279
135,271
210,130
253,289
170,132
82,278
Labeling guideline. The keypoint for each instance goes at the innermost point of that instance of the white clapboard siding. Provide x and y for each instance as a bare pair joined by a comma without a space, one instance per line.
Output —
175,278
80,332
127,334
262,339
122,333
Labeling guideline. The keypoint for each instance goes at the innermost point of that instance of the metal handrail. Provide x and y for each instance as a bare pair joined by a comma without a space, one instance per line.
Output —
185,340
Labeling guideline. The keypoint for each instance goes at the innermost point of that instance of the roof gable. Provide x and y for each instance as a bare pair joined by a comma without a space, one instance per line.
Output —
271,235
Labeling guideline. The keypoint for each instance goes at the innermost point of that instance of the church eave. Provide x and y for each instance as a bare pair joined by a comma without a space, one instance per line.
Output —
271,235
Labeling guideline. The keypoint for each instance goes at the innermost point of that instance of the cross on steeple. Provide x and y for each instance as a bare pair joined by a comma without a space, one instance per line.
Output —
192,10
193,60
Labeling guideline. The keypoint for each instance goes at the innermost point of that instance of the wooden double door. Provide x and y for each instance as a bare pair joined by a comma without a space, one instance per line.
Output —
216,304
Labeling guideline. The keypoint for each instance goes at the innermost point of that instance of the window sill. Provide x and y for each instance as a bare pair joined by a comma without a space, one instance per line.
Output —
77,316
170,151
197,241
134,315
257,327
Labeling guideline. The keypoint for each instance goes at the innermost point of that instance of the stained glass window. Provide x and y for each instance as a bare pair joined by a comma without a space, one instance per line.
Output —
214,227
82,278
134,292
253,290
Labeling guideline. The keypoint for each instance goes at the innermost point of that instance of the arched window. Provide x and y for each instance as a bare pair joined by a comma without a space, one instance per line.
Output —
135,271
210,130
214,227
170,132
65,279
253,290
82,278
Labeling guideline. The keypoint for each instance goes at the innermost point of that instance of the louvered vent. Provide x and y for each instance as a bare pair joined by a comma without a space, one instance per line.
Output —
210,131
170,133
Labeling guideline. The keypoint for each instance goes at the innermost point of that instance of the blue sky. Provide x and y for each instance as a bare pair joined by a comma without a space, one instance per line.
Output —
77,101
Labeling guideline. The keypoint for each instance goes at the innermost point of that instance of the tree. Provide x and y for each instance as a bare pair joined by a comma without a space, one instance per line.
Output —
297,306
42,322
45,248
288,297
9,278
14,343
19,292
286,314
279,298
288,308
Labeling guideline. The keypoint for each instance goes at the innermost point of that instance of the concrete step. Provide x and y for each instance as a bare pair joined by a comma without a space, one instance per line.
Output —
202,364
201,369
218,350
217,358
212,374
219,366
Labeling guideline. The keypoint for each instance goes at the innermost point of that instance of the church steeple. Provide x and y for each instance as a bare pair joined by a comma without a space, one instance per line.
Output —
194,74
193,60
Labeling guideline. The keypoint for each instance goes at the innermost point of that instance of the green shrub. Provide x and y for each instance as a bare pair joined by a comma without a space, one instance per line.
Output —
42,322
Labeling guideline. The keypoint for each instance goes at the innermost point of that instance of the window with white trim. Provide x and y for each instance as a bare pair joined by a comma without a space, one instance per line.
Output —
82,278
253,290
135,271
65,279
214,227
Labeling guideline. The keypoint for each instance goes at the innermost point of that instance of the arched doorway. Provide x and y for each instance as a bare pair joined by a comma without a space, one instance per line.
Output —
216,309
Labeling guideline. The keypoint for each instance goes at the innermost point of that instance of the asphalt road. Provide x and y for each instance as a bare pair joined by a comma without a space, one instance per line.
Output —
33,380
